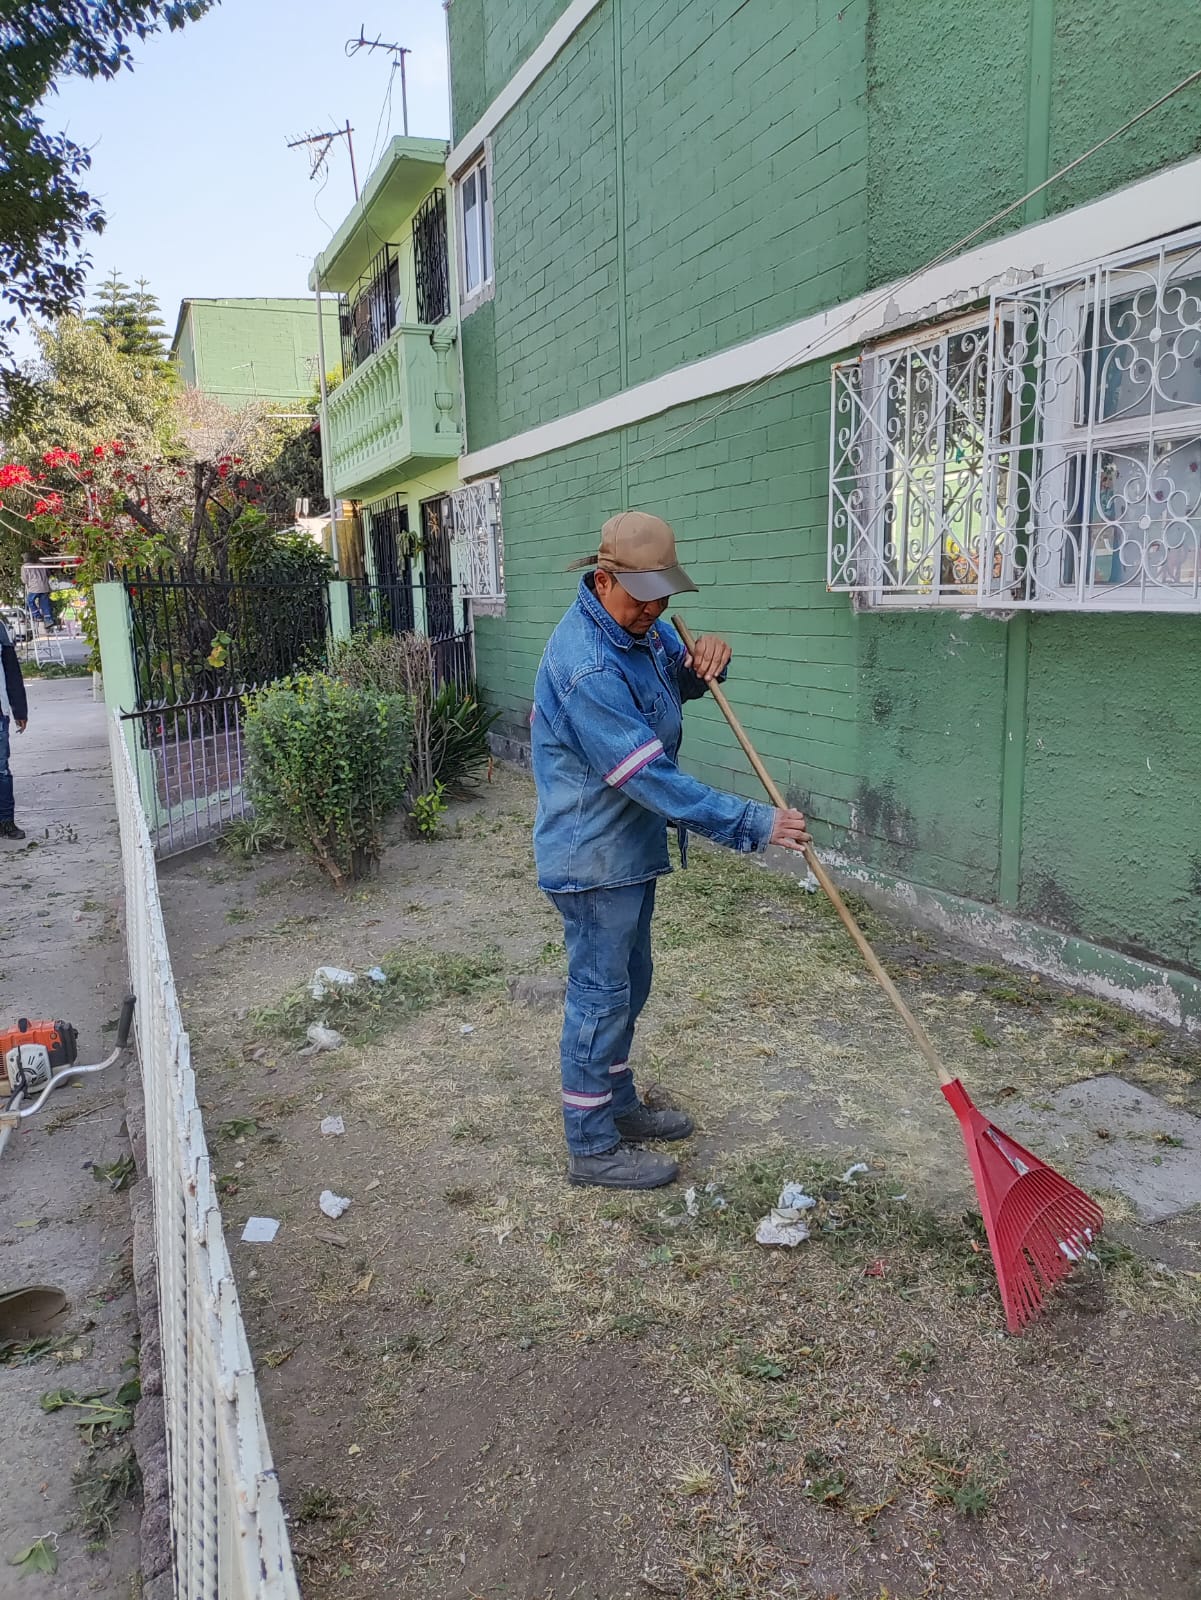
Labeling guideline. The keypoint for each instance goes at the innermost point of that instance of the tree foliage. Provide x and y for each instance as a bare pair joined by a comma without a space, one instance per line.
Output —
46,213
128,318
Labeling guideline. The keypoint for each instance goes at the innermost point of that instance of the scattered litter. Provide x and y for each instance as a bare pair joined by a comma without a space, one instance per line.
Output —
355,1450
709,1196
332,1125
785,1223
327,978
322,1038
808,883
781,1227
259,1230
467,1028
376,974
877,1269
333,1205
849,1175
329,1236
898,1197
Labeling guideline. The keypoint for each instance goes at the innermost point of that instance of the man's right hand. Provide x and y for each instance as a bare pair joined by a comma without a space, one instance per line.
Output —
790,830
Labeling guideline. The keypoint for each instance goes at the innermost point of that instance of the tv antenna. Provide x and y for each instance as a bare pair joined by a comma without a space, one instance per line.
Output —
318,146
398,52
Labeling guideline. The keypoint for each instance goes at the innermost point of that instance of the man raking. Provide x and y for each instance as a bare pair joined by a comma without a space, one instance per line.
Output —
606,730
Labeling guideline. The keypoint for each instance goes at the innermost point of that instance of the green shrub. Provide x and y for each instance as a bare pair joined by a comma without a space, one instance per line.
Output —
327,762
450,727
459,727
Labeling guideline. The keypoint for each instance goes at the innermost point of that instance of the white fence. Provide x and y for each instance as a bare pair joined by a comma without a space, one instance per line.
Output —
230,1538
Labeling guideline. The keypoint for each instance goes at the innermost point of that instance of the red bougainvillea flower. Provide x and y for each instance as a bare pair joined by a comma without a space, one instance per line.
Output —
117,447
98,451
54,458
73,457
223,469
13,474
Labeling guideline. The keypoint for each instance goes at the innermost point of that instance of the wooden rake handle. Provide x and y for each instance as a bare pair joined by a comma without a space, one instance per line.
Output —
918,1034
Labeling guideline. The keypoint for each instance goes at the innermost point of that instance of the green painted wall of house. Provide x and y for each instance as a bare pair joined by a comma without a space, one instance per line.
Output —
243,350
905,735
488,43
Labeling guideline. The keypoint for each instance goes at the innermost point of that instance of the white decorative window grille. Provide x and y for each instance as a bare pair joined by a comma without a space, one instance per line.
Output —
1048,457
1101,436
907,508
474,190
477,528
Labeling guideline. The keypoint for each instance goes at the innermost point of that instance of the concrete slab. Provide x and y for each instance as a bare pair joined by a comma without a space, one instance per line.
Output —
1110,1135
61,955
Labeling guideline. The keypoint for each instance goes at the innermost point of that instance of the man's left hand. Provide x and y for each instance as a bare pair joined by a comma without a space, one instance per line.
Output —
21,726
709,657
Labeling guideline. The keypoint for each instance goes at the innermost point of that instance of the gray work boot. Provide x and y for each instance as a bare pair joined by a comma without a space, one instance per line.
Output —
623,1167
644,1123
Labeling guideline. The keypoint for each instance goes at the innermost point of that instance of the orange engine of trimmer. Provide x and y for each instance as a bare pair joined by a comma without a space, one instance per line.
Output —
32,1052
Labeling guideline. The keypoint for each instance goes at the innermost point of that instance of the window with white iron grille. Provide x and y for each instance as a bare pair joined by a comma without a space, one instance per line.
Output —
1101,436
1045,457
907,508
477,530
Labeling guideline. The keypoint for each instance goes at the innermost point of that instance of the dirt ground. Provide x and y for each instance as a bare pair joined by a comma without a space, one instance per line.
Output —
481,1384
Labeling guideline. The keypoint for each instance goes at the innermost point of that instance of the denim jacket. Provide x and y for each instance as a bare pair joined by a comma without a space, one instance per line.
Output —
605,732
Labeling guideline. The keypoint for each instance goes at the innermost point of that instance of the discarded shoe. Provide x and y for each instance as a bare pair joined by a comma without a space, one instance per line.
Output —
626,1166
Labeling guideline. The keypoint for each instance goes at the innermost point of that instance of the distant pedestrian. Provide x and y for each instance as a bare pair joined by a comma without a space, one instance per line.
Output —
15,708
36,580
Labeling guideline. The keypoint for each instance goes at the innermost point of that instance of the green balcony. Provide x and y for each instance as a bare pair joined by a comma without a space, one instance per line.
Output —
396,414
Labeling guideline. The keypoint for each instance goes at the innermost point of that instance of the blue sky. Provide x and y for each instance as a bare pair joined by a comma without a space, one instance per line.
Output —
189,152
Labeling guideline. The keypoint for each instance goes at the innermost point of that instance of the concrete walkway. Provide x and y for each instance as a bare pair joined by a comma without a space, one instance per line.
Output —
61,956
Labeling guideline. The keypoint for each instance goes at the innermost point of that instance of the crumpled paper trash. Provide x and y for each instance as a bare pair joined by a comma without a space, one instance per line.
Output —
333,1205
327,978
785,1223
323,1038
332,1125
259,1230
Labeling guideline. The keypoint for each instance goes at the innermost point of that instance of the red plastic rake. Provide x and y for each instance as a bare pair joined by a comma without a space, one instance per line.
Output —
1039,1225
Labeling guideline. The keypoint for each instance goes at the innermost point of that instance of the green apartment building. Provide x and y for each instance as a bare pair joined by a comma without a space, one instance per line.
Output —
241,350
820,283
391,429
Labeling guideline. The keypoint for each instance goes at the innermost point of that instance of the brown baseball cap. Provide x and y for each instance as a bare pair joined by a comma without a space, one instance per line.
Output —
639,549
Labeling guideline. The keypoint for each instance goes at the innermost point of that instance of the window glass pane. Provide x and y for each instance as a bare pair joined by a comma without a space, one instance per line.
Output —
934,424
485,226
471,234
1147,360
1144,521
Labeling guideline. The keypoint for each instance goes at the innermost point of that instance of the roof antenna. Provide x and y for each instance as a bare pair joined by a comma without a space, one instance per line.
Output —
398,52
318,145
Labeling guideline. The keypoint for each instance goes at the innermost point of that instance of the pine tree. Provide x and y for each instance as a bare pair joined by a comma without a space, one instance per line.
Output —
129,318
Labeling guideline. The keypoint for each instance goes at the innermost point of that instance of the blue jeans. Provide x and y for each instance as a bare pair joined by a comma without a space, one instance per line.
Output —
40,605
608,938
6,778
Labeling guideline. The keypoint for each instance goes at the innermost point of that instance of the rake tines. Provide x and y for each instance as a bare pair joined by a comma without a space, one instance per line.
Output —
1039,1225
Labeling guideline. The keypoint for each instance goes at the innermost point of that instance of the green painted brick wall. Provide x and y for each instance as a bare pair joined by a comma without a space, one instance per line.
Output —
244,349
488,43
1112,840
950,120
889,727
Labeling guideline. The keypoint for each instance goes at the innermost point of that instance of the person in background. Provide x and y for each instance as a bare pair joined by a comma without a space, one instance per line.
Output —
13,708
36,582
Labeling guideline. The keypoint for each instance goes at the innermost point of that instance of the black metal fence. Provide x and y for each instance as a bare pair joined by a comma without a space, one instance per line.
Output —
200,636
369,313
431,259
190,769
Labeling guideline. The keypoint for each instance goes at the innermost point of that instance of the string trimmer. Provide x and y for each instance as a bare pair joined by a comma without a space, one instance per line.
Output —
1039,1225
